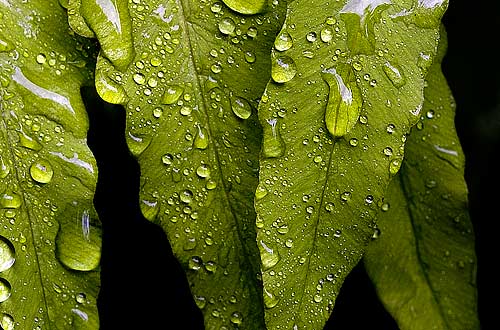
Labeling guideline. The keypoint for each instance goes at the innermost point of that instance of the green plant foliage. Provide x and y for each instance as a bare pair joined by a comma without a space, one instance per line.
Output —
270,137
423,263
347,87
50,235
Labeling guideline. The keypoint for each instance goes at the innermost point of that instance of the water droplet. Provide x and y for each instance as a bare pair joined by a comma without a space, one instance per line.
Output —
139,78
109,90
344,101
345,196
260,192
391,128
5,290
353,142
369,199
430,114
385,207
41,171
195,263
273,145
167,159
317,298
329,206
317,159
226,26
337,233
283,229
394,73
203,171
137,144
283,69
241,107
388,151
357,66
376,233
310,209
270,299
78,241
211,184
211,266
250,57
289,243
157,112
395,165
186,196
41,58
7,254
326,34
200,301
283,41
81,298
4,168
10,200
246,7
201,139
190,243
149,209
236,318
269,257
311,36
28,142
172,94
6,321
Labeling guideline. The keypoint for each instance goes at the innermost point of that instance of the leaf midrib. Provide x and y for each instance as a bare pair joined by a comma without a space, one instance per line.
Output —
184,19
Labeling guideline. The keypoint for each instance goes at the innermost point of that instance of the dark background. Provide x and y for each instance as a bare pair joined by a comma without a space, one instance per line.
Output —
143,286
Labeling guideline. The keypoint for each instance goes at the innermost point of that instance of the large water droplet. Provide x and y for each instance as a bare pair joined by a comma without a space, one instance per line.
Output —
149,209
270,299
6,321
7,254
273,145
28,142
241,107
195,263
269,256
201,139
283,69
395,165
236,318
247,7
344,101
283,41
137,144
41,171
226,26
395,75
5,290
10,200
78,241
203,171
172,94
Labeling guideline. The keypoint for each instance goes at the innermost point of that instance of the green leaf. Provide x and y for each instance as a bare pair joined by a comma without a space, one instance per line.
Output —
190,95
50,236
347,87
423,263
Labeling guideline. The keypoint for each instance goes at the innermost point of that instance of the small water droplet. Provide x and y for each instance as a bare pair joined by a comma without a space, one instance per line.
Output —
317,298
5,290
388,151
172,94
391,128
41,58
326,34
211,184
78,241
81,298
203,171
167,159
395,165
157,112
236,318
430,114
270,299
226,26
200,301
241,107
385,207
311,36
329,206
195,263
289,243
376,233
41,171
139,78
369,199
186,196
283,41
269,256
4,168
353,142
211,266
283,69
345,196
7,254
310,209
